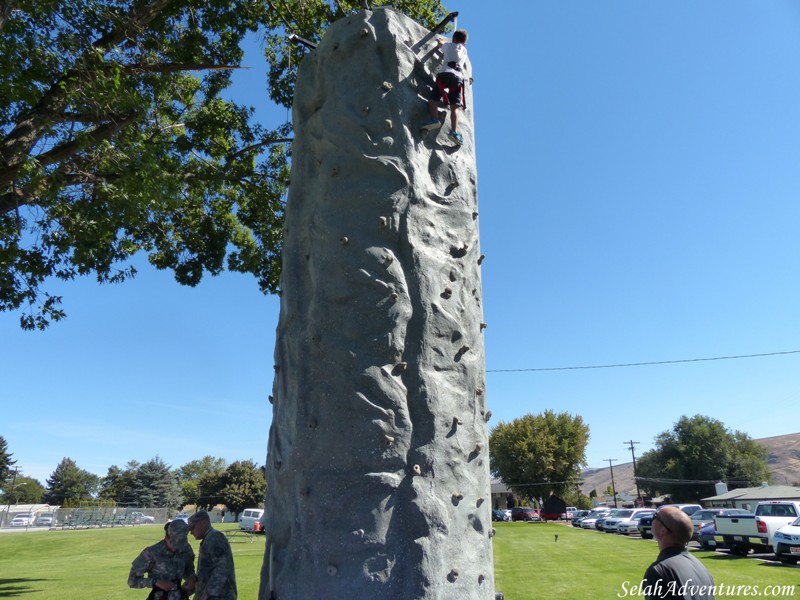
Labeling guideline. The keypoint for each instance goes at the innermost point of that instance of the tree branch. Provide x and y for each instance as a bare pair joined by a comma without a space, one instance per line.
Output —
15,147
59,153
246,149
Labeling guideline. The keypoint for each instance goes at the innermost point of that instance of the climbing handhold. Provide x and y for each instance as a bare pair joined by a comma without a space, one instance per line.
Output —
344,241
452,575
387,86
480,258
417,470
383,222
483,326
332,570
447,293
487,416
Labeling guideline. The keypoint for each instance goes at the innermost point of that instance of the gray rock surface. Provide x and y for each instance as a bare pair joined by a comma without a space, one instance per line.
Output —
377,468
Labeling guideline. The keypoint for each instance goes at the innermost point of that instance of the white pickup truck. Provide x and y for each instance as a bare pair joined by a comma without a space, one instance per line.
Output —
742,533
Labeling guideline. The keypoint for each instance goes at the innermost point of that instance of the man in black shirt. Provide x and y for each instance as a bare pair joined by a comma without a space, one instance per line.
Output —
676,573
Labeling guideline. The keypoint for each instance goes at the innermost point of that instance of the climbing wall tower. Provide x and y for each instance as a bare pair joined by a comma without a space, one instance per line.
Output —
377,468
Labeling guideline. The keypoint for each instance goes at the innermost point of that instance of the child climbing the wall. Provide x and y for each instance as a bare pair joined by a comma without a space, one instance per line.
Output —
449,88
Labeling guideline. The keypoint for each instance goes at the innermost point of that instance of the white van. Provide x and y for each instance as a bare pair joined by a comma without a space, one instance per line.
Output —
251,520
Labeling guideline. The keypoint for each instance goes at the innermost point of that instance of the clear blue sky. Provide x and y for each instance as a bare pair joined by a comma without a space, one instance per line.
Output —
639,178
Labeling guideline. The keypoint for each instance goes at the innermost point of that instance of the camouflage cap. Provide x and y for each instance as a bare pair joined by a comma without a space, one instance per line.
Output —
200,515
178,530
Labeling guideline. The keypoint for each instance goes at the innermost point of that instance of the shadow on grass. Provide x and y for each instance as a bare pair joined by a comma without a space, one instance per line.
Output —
10,588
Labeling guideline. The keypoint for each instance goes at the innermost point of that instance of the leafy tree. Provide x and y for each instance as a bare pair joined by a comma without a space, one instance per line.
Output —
69,484
243,485
539,454
5,460
25,490
209,489
189,476
116,138
696,452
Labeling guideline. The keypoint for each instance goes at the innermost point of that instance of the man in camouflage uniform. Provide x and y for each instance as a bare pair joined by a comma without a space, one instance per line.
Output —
216,579
165,565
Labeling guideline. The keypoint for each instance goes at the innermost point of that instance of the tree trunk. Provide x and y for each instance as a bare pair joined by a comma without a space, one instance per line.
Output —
377,468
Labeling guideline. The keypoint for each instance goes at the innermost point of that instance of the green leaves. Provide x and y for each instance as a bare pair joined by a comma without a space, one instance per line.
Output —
536,455
115,138
696,452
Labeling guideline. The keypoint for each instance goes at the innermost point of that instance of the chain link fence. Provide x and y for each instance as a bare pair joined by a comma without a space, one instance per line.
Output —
43,516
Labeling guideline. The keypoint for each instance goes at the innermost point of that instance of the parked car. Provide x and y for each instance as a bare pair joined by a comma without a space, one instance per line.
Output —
589,521
524,513
578,516
709,540
139,518
500,515
786,543
755,531
251,520
22,520
646,522
598,524
706,517
629,518
632,526
570,514
183,516
45,520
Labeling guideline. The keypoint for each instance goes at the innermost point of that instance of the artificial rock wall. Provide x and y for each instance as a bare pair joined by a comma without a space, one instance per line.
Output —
377,467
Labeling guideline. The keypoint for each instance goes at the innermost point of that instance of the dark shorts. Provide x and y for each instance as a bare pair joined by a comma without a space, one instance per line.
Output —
448,88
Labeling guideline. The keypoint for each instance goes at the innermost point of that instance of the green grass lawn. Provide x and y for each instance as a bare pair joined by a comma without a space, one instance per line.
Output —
94,563
529,564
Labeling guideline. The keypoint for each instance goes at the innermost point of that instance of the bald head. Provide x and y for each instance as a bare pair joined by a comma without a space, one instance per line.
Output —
677,523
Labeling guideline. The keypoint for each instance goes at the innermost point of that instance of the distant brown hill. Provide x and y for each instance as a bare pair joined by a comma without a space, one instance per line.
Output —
783,458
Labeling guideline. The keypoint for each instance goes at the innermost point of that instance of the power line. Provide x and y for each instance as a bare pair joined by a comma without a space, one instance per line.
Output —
643,364
693,481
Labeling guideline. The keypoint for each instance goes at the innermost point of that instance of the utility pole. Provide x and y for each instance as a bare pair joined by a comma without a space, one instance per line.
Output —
613,487
639,501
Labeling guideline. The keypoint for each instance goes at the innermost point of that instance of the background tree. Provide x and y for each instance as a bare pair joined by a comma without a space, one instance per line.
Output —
111,486
5,460
116,138
156,485
69,484
243,486
209,489
26,490
702,450
536,455
189,476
